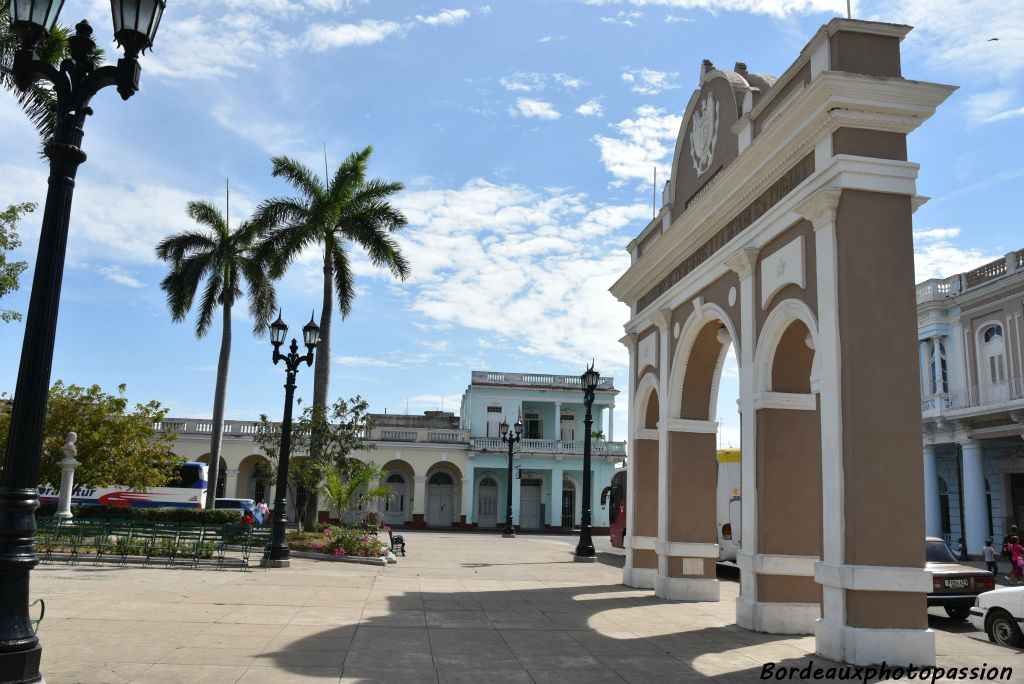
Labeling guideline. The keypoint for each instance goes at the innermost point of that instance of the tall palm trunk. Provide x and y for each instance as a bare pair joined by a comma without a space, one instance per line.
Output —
219,399
321,376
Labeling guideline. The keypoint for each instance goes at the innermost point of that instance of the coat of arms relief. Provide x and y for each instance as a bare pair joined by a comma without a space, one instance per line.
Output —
704,134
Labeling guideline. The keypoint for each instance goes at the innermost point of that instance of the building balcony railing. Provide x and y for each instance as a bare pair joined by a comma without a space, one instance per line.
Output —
527,379
1010,391
204,427
936,289
432,437
551,446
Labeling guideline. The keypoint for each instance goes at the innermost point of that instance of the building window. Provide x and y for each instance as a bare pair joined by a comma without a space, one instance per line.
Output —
993,337
533,426
937,365
494,414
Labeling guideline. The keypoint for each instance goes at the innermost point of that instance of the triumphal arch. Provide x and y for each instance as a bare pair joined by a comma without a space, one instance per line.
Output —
785,232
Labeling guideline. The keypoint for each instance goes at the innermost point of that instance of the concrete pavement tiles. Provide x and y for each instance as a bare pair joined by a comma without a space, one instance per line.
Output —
458,608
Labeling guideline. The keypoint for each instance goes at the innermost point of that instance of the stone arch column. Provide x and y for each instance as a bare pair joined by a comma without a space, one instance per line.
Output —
643,489
873,590
782,596
689,549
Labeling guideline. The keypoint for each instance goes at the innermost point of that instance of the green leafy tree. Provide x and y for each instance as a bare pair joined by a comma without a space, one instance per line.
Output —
221,260
347,209
340,431
11,271
116,443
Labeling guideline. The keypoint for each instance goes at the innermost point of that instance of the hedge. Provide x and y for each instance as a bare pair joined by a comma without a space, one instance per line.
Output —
198,516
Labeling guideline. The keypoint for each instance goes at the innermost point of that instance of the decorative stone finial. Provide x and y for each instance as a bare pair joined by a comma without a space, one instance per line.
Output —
741,68
706,66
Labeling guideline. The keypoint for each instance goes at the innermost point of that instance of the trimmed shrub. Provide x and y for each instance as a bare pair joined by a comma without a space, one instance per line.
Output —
195,516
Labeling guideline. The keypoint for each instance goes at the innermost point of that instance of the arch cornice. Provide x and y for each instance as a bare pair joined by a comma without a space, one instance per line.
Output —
784,314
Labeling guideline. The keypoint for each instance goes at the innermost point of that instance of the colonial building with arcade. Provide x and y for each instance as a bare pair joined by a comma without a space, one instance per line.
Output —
969,329
786,232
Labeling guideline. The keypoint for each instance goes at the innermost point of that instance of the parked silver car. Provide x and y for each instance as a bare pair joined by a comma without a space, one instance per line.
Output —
1000,614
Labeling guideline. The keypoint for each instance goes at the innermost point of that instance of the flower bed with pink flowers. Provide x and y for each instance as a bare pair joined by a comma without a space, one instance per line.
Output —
335,540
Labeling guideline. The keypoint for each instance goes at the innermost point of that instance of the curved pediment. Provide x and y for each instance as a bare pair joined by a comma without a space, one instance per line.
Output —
706,143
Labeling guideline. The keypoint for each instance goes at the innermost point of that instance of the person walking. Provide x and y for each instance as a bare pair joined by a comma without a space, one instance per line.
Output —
1016,561
990,558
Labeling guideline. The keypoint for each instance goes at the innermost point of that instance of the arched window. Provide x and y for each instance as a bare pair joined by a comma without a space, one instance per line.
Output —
396,478
939,372
993,353
441,478
488,482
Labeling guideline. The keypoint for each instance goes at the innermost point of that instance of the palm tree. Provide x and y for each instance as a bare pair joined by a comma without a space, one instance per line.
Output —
38,101
362,486
348,208
223,259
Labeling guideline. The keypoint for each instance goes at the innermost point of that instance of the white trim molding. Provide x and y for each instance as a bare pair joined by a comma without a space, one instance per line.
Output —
777,618
863,646
689,425
646,433
687,589
777,564
687,549
785,400
639,578
640,543
787,312
873,578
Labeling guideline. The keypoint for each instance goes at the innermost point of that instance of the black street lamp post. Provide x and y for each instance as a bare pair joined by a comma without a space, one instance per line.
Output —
75,82
279,551
585,548
511,438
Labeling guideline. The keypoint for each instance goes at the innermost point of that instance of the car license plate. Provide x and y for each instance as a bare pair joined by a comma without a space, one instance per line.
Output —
957,583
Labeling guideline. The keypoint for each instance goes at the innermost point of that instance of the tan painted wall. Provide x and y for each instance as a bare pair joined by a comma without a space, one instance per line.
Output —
866,143
652,414
789,482
693,476
791,365
800,79
881,410
807,294
700,373
646,473
645,558
787,589
861,53
886,610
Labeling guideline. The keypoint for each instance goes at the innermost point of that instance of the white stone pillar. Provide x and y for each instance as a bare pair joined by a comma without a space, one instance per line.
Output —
975,504
926,382
932,515
67,477
516,481
419,496
743,263
558,421
629,342
663,319
611,423
467,500
555,516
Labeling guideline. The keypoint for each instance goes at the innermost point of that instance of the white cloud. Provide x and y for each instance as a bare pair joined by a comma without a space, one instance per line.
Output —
445,17
592,107
522,82
936,256
367,32
550,39
120,276
363,361
778,8
271,136
204,47
650,82
644,142
568,81
624,18
675,19
543,260
993,106
535,109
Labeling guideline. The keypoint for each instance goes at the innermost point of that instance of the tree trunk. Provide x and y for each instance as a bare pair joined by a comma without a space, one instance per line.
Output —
321,374
219,399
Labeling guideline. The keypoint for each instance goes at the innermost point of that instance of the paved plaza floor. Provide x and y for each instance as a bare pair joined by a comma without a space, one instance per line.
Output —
459,608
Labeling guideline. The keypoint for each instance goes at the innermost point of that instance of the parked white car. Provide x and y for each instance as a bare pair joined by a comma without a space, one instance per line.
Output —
1000,614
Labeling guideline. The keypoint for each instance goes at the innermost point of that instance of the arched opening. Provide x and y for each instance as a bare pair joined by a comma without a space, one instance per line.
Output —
398,477
992,359
642,516
788,512
255,478
568,503
443,491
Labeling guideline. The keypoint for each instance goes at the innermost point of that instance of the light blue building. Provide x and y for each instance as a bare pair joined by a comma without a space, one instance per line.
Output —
547,482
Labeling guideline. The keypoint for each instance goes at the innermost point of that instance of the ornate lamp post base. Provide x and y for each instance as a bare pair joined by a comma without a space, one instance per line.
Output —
584,559
276,563
508,535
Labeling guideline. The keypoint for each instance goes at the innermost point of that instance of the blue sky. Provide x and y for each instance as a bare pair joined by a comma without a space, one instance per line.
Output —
525,131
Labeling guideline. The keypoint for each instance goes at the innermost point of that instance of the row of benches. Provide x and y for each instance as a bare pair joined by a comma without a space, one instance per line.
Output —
171,543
